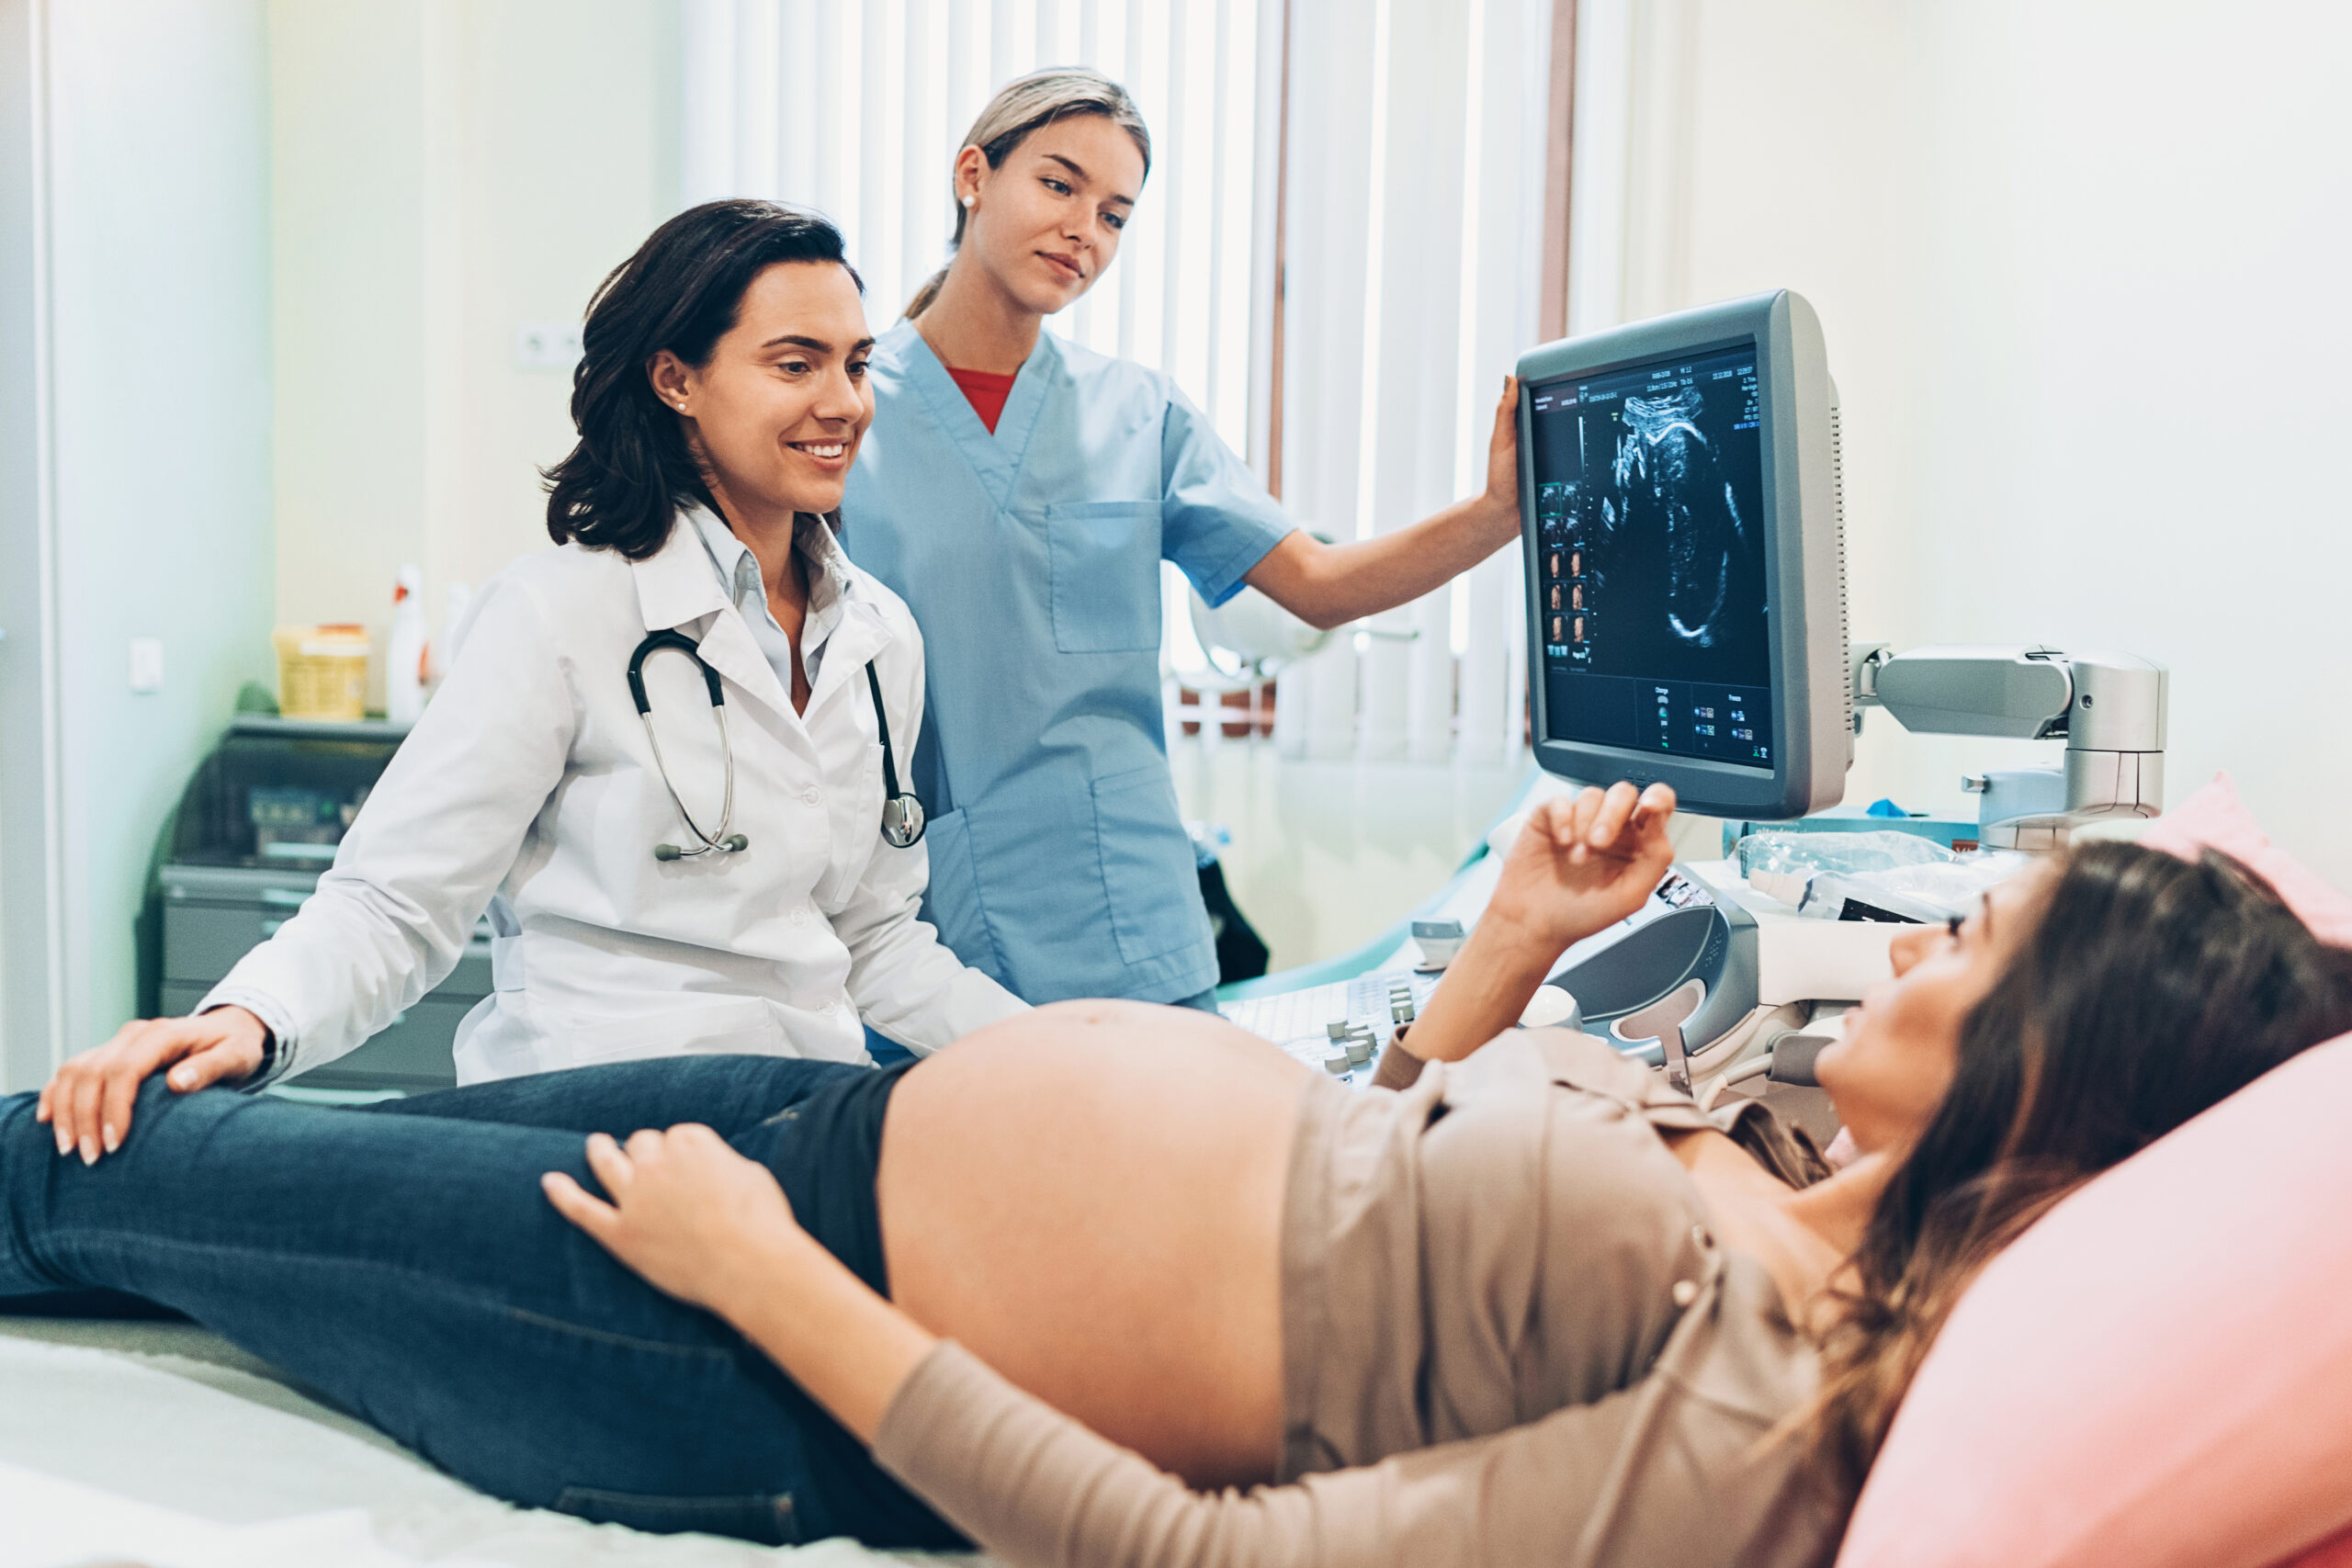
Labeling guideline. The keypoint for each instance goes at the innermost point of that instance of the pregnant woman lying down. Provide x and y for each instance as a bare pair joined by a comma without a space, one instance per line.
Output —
1119,1283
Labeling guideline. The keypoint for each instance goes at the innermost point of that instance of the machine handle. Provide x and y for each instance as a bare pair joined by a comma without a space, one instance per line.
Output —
1792,1057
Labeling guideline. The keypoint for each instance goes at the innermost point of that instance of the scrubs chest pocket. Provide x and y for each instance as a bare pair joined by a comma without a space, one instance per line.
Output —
1105,565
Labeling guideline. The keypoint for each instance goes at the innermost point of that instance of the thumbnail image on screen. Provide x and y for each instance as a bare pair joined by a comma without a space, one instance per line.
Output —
1650,551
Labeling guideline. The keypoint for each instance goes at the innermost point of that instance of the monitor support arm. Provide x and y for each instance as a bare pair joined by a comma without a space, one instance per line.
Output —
2109,708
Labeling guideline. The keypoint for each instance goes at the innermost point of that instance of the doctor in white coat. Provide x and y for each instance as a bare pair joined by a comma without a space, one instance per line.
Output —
720,403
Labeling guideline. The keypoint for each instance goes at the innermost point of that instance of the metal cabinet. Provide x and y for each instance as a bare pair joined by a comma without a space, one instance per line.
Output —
258,822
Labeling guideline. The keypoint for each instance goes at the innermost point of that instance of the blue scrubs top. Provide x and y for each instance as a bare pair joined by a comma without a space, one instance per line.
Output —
1031,560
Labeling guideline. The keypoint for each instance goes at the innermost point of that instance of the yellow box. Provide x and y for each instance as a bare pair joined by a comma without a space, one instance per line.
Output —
322,671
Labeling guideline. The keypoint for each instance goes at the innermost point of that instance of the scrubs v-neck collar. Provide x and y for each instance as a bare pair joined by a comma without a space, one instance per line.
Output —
995,458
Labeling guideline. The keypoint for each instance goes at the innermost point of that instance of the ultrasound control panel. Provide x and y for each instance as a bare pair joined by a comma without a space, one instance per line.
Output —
1681,932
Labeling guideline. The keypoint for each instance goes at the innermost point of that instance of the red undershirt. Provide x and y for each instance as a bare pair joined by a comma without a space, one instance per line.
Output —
985,392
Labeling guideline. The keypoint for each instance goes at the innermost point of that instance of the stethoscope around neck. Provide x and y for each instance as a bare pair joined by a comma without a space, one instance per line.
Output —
902,814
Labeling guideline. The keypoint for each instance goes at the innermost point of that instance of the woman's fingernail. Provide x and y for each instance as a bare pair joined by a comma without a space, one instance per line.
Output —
64,1142
89,1151
181,1078
113,1139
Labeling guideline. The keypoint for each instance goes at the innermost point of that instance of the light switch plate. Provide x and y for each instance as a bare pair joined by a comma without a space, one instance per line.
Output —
547,345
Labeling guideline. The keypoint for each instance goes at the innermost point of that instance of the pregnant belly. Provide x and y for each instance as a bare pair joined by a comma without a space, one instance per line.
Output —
1088,1197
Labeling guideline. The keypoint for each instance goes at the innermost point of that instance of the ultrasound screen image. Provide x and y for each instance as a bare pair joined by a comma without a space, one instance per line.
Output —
1649,503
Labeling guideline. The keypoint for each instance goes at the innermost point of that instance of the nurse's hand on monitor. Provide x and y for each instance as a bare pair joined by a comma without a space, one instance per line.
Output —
1329,585
87,1104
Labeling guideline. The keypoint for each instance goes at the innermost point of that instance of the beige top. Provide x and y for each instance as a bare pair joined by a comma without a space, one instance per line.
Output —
1508,1338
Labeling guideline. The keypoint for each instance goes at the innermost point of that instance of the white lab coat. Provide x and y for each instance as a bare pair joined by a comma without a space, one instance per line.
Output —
529,776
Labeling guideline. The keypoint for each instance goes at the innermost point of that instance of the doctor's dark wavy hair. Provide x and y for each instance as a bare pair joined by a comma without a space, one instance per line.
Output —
623,483
2150,989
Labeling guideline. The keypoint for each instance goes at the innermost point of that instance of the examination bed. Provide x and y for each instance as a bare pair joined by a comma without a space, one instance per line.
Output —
162,1445
2158,1373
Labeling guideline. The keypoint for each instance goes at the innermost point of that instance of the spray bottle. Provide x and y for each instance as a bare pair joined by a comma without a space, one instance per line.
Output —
405,661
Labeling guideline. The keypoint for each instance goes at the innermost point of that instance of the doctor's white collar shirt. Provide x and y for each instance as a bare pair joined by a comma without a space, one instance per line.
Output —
530,777
832,582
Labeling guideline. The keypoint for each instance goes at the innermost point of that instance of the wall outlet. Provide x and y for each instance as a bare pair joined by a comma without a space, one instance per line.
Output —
547,345
146,664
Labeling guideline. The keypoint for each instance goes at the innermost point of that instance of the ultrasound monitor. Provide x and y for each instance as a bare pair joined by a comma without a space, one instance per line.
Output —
1679,489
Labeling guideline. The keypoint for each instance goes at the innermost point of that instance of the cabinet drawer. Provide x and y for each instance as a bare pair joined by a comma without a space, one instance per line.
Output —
203,942
413,1054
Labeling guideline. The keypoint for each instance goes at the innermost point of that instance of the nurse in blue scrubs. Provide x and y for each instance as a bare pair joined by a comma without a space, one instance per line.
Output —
1020,492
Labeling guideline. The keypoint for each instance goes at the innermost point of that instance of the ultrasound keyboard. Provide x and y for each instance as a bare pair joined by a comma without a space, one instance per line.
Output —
1338,1028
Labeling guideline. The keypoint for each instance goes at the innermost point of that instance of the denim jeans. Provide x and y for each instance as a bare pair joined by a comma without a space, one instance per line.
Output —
402,1260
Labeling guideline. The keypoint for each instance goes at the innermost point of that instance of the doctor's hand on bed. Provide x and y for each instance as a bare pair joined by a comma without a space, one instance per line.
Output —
87,1104
1582,863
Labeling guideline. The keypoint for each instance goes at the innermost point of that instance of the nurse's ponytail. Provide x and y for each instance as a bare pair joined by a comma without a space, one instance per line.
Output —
1024,105
623,484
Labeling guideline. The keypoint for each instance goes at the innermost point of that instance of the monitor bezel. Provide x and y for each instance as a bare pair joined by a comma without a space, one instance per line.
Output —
1790,786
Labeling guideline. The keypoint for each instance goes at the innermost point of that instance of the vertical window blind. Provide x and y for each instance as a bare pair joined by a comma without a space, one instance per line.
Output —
1407,146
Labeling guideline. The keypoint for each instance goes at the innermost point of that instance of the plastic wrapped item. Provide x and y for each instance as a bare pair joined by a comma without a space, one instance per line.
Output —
322,672
1804,853
1926,892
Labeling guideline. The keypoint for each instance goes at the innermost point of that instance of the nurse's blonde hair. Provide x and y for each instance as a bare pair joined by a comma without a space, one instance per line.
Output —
1021,106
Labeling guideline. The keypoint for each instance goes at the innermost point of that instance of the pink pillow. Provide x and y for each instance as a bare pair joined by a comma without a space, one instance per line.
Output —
2333,1552
2215,818
2159,1372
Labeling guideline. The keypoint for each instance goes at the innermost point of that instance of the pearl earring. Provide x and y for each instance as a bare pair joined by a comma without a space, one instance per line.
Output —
967,201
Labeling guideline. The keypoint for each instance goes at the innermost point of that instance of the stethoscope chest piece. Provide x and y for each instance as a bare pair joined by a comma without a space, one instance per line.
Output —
902,819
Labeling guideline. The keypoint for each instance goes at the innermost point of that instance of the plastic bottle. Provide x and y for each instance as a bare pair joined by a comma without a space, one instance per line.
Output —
405,658
445,646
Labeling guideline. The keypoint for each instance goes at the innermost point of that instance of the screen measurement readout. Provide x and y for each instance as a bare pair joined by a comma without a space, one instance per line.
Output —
1730,723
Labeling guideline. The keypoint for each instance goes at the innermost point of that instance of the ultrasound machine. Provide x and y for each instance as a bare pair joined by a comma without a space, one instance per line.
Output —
1682,529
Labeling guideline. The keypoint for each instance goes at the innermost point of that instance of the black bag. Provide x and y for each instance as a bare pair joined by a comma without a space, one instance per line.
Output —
1241,953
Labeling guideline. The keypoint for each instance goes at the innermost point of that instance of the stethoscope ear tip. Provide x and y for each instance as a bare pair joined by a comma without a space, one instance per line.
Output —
667,852
734,841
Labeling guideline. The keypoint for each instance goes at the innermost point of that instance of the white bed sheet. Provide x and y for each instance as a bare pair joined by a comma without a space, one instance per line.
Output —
163,1445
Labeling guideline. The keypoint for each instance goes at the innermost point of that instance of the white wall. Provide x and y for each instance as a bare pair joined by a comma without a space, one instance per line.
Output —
30,972
286,247
444,172
2080,267
158,276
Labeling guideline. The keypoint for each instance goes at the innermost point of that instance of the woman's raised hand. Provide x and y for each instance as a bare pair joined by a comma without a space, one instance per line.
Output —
1583,863
1502,454
87,1104
688,1213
